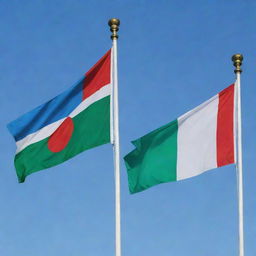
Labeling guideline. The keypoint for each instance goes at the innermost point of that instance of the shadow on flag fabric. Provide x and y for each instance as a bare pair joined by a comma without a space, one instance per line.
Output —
74,121
200,140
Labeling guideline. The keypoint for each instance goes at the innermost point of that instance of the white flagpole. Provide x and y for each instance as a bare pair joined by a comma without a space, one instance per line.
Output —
114,27
237,60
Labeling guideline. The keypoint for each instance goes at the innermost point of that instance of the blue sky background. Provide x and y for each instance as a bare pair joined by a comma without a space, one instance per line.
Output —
173,55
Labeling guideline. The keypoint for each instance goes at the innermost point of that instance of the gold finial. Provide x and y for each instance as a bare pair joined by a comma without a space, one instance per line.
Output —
114,27
237,60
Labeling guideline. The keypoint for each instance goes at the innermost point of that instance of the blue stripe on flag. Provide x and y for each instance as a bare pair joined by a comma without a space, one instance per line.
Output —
53,110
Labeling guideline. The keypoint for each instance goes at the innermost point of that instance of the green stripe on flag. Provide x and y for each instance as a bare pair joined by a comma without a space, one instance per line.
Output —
91,129
154,160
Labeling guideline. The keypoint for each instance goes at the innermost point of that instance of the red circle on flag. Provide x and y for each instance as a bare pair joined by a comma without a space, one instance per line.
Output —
60,138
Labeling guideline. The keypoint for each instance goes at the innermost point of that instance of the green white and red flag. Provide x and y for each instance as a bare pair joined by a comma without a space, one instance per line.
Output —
200,140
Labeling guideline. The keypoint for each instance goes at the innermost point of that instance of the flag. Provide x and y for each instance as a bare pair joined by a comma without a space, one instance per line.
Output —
200,140
76,120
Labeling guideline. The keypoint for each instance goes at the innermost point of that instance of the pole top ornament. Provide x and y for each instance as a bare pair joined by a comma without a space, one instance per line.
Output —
114,27
237,62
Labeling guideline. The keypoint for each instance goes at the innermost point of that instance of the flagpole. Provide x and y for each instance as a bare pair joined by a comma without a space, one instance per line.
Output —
237,61
114,27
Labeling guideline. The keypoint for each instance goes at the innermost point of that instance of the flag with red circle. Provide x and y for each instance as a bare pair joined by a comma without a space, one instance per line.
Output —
76,120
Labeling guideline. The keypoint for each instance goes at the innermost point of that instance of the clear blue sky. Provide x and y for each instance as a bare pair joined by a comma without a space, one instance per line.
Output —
173,55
